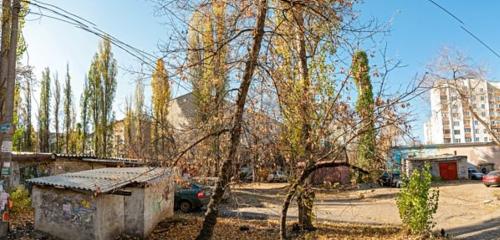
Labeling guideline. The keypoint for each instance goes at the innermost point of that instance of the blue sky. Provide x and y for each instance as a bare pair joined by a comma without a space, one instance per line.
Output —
418,31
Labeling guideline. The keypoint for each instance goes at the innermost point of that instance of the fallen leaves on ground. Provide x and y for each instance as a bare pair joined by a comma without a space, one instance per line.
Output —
186,227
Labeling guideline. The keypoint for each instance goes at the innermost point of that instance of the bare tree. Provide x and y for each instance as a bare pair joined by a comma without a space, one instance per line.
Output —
461,82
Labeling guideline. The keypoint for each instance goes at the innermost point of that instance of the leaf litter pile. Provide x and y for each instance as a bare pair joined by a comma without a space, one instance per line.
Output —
186,227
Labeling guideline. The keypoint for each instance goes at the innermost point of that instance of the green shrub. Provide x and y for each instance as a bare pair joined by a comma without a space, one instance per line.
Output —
417,202
21,200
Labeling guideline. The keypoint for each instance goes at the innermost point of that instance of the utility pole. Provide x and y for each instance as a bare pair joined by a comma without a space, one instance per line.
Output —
8,77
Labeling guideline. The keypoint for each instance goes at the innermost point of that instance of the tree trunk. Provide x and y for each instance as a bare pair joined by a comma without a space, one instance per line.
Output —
4,55
10,80
305,200
225,174
292,190
306,197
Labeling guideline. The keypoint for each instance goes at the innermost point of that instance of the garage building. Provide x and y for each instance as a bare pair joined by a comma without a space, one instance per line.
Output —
444,167
103,203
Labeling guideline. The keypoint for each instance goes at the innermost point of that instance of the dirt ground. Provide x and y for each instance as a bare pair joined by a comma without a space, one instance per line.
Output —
467,209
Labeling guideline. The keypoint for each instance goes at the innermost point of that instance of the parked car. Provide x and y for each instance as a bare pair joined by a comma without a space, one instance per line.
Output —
396,180
390,179
246,174
190,196
209,183
277,176
492,178
474,174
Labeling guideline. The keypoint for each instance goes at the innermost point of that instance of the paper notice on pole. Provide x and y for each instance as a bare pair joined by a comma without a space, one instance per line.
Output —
6,146
5,127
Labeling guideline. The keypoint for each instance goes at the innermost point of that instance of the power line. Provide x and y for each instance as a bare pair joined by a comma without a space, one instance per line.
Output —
59,14
448,12
480,41
465,29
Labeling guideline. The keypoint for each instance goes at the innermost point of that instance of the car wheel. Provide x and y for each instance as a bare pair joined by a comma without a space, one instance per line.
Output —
487,185
185,206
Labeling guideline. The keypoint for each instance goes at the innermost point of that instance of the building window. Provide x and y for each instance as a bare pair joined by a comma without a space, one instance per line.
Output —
453,98
467,130
447,140
482,98
456,132
485,139
484,131
468,139
483,114
455,115
467,113
476,122
456,123
483,106
456,140
476,139
476,131
446,131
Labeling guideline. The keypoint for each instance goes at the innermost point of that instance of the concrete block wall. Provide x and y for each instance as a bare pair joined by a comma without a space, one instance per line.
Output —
65,214
110,220
158,203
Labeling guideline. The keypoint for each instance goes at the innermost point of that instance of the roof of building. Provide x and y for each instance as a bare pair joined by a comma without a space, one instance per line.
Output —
36,156
446,145
102,180
443,157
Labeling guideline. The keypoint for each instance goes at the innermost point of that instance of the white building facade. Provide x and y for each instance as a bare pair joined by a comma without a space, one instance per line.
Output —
451,120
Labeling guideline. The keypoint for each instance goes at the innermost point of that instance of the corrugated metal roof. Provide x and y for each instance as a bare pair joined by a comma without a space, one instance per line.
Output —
102,180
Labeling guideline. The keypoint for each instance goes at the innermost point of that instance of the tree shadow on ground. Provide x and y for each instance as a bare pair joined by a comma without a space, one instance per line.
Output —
455,183
486,230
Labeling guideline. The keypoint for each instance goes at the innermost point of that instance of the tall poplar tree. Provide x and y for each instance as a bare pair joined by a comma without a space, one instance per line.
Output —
28,137
161,97
68,101
44,112
84,115
366,155
107,70
57,111
206,37
140,121
102,88
95,94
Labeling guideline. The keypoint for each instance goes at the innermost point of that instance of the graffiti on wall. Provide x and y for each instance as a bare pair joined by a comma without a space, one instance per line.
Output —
71,208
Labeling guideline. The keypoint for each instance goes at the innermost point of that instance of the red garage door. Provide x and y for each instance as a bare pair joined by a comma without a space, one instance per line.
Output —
448,170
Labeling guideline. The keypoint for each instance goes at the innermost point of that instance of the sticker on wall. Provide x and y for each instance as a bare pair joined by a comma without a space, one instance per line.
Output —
66,209
85,204
6,146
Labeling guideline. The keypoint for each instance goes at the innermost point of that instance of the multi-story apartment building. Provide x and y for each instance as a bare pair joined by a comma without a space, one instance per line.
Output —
451,120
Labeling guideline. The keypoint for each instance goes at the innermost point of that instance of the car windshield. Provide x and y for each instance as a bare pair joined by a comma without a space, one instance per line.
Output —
473,170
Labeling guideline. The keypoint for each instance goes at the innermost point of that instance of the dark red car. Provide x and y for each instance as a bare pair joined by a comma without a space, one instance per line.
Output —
492,178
